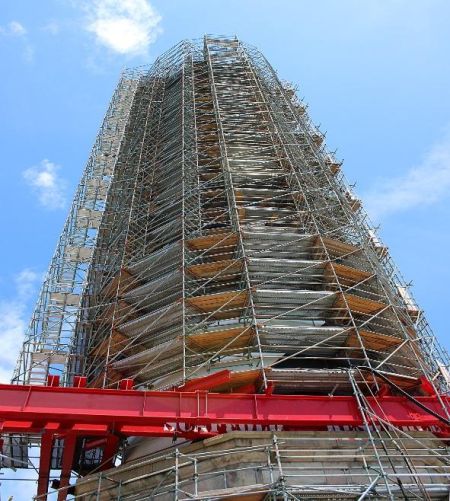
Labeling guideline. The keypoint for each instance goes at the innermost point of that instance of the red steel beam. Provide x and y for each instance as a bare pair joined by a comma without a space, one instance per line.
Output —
27,409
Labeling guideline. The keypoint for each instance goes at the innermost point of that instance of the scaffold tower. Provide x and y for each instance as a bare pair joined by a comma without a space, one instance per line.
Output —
216,258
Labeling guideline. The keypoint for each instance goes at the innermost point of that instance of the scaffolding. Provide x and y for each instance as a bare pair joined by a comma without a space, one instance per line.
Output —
213,230
269,465
49,341
239,244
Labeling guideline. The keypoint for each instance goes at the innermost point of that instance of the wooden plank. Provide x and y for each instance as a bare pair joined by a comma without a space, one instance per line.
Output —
336,248
412,333
112,378
229,303
346,274
218,240
240,378
101,350
358,304
207,270
317,139
121,283
216,214
372,340
207,125
241,212
355,204
334,167
118,312
238,337
118,343
405,382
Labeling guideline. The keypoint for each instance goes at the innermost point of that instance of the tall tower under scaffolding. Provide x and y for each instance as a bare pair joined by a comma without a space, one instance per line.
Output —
214,245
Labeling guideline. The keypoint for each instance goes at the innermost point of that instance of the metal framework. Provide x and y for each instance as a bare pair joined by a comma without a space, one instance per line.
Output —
238,243
49,346
213,231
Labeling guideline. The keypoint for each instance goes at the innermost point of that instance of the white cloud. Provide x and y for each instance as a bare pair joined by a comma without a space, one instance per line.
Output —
47,184
422,185
13,322
25,283
17,28
13,29
52,27
124,26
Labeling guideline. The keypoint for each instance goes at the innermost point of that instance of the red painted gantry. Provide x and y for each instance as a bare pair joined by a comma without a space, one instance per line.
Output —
107,416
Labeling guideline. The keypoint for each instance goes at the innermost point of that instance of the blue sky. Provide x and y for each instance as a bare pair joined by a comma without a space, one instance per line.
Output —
376,75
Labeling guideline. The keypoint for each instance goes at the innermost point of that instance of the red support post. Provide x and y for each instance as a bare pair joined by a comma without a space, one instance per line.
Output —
109,452
52,380
126,384
80,381
70,441
45,464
